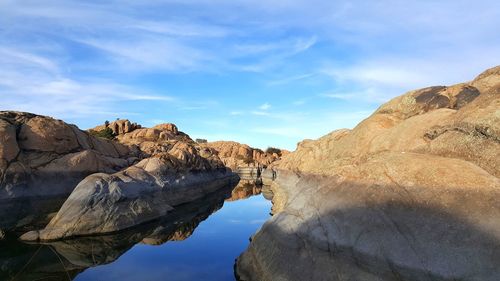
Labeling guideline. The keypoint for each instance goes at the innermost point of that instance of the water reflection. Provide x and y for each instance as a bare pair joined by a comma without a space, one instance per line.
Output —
64,260
22,215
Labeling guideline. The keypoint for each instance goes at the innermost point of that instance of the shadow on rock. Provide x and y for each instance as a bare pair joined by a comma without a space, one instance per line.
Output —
338,237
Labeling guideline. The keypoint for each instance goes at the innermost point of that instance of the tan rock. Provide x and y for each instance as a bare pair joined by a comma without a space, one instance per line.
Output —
411,193
167,127
235,155
8,141
49,157
119,127
47,134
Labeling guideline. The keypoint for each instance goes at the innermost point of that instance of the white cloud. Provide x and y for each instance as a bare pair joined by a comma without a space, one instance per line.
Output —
33,83
261,113
290,79
265,106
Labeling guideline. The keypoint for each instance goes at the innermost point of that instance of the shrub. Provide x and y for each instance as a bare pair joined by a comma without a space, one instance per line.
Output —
272,150
105,133
201,141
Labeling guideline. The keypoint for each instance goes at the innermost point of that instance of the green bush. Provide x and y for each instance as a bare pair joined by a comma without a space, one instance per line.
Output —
105,133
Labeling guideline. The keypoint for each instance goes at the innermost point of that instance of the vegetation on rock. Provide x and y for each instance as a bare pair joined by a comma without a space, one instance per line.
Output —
106,133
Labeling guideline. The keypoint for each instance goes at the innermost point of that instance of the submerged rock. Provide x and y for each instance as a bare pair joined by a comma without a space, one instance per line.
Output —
411,193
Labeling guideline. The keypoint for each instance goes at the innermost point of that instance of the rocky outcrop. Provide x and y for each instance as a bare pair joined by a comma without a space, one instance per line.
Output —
177,170
411,193
118,127
140,175
42,156
235,154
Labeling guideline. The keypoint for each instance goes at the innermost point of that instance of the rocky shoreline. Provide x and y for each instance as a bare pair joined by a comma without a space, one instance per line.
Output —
60,182
411,193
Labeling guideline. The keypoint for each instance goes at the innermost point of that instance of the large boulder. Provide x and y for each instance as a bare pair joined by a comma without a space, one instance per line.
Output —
42,156
411,193
105,203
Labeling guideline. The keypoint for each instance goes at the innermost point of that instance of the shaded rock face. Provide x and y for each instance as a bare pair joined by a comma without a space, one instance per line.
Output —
411,193
25,262
42,156
28,213
236,155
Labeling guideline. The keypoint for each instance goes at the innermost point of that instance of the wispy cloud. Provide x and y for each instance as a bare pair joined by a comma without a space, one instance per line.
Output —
261,113
265,106
290,79
48,91
162,59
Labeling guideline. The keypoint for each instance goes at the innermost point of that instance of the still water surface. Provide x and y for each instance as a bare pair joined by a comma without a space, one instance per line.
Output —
200,242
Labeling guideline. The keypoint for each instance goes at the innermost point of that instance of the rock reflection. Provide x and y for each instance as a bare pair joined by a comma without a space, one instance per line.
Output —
63,260
245,189
21,215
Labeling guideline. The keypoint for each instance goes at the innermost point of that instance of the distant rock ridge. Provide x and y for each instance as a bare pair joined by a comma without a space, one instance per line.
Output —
235,154
411,193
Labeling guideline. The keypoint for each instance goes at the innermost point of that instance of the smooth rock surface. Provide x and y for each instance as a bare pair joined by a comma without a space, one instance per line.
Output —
411,193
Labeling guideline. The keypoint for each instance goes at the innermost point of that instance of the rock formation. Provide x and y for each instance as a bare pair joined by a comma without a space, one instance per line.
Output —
174,170
42,156
118,127
411,193
235,154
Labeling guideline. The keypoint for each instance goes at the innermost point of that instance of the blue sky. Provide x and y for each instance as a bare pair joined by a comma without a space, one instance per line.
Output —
266,73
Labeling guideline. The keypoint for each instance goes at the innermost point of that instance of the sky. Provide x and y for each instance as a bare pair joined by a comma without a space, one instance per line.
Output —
265,73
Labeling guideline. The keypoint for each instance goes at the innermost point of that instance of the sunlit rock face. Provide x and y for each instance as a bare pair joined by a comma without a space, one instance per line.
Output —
236,155
142,173
44,157
411,193
118,127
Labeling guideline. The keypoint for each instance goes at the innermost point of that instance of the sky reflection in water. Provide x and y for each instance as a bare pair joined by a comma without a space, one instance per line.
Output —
208,254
